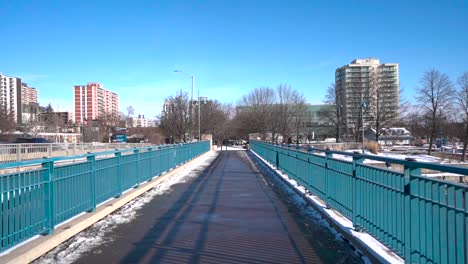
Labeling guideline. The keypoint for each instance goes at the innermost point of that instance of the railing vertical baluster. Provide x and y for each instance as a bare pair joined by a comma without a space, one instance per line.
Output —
49,200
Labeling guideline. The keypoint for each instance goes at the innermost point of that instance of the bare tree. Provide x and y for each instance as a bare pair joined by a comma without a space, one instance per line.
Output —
7,119
383,108
283,118
413,119
334,115
299,110
281,112
435,95
213,118
130,111
174,120
51,121
34,126
107,124
255,110
462,107
355,109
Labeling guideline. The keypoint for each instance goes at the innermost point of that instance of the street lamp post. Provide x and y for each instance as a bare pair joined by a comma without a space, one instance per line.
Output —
363,104
199,104
191,104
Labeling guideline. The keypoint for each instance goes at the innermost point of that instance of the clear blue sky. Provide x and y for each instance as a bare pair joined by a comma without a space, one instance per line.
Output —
132,47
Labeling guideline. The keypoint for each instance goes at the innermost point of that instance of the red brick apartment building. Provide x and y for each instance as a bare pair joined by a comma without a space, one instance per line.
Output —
92,101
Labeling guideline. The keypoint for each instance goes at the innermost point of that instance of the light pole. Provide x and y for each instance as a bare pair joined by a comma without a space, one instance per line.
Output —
191,103
363,104
199,104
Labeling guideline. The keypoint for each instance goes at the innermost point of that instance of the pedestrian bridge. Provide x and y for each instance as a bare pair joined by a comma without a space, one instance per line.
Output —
234,209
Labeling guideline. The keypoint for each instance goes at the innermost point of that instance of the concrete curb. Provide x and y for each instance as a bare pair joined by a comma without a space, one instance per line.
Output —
35,248
373,256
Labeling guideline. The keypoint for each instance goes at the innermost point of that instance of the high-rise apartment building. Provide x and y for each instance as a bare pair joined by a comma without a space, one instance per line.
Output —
92,101
369,84
28,94
29,103
10,96
140,121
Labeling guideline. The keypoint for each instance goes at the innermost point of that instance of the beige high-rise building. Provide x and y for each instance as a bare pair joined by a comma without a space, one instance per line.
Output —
10,96
378,86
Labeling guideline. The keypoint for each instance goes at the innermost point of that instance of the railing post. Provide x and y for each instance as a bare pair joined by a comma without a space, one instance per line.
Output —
18,152
328,155
277,159
309,170
409,170
92,159
49,150
150,150
137,153
119,176
49,199
356,191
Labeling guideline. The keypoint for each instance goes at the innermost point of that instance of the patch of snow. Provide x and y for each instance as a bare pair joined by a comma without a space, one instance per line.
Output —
417,157
443,174
373,245
97,234
230,148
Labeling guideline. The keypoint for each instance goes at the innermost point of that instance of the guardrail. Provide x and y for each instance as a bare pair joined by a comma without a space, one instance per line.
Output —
54,190
423,220
31,151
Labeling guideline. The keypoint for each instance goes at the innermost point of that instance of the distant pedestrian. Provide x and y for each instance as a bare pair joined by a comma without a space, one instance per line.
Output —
388,165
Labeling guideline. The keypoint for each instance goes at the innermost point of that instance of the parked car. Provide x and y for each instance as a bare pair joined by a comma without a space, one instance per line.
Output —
32,140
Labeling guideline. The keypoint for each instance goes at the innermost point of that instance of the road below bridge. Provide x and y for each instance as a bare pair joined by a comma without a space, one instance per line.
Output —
230,213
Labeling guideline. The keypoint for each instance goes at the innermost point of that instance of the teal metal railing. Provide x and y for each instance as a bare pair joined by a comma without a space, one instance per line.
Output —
422,219
49,191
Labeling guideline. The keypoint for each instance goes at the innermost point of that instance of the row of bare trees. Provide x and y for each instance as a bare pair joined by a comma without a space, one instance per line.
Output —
175,118
279,111
441,109
442,102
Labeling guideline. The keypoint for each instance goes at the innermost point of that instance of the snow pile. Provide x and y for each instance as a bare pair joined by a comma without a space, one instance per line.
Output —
230,148
417,157
384,253
96,235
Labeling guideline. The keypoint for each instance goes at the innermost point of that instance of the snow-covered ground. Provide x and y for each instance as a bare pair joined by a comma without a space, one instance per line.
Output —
418,157
97,234
384,253
230,148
